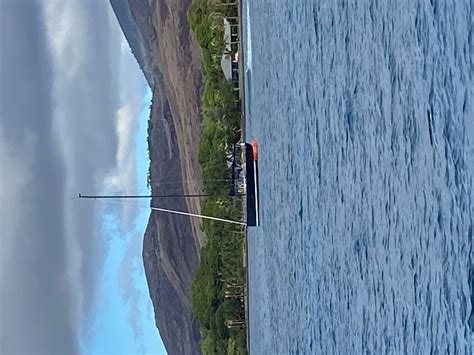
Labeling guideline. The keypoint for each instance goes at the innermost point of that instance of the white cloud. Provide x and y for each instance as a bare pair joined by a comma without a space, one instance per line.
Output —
15,180
94,100
65,130
63,20
123,177
84,49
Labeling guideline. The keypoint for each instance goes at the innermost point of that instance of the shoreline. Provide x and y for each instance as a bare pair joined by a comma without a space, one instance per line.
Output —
243,126
224,95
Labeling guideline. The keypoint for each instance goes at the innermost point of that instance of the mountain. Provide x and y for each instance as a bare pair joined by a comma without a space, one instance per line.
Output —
134,37
160,38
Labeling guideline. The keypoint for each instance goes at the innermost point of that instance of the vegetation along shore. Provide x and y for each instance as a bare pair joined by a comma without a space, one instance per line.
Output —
218,289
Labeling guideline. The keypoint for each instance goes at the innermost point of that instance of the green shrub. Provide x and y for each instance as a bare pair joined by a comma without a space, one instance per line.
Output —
221,256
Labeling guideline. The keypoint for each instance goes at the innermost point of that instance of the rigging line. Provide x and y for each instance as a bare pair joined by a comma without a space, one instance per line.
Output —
198,215
134,188
144,196
192,180
182,213
177,190
117,202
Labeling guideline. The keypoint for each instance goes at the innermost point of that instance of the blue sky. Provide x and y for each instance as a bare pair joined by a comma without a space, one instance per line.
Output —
111,320
73,115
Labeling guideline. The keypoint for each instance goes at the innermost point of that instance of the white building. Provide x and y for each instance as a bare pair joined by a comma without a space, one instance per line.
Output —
228,64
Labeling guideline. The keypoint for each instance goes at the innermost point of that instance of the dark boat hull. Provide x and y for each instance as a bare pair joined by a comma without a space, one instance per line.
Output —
251,175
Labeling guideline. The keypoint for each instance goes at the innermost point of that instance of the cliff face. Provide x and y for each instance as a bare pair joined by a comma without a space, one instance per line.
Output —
170,246
171,243
179,333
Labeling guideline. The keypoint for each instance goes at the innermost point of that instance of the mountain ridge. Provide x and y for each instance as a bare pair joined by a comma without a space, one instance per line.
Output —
134,37
171,244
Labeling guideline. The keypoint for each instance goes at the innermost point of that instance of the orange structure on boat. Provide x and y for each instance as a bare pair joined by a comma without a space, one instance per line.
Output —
254,149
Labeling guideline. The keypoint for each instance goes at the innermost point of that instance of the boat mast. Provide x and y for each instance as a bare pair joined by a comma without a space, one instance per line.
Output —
143,196
182,213
234,153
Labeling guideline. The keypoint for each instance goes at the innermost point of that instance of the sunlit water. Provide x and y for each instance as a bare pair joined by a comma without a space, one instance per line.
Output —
363,111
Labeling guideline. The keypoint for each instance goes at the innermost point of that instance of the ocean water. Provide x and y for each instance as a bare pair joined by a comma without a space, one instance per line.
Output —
363,111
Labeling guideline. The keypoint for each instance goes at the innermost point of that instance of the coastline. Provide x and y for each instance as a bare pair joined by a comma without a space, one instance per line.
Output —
243,136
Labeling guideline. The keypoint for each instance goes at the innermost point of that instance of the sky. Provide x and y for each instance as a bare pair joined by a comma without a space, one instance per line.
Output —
73,115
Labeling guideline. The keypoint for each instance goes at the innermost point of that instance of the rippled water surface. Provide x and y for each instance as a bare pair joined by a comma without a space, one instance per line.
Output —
363,111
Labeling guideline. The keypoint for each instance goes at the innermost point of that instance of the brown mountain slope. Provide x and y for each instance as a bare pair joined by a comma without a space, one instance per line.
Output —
170,251
172,243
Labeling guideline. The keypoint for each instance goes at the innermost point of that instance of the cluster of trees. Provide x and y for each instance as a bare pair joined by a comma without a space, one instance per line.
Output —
221,257
221,265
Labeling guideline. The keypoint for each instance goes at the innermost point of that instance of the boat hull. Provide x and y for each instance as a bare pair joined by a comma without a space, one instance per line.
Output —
251,166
